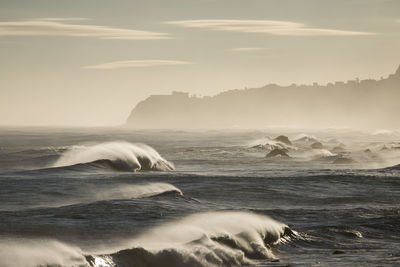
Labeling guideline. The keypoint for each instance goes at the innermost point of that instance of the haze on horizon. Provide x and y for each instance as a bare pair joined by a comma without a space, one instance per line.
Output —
88,63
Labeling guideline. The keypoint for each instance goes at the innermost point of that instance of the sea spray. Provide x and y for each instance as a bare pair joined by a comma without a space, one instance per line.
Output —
126,191
223,238
122,156
39,252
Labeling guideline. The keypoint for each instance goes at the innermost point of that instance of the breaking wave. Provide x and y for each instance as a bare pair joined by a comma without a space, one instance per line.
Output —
391,168
385,132
37,252
126,191
317,153
225,238
306,138
268,143
208,239
119,156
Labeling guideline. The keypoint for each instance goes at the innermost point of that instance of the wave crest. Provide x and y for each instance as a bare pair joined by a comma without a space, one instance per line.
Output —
127,191
37,252
391,168
207,239
120,156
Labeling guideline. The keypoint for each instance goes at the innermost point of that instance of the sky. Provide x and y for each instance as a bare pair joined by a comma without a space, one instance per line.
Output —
89,62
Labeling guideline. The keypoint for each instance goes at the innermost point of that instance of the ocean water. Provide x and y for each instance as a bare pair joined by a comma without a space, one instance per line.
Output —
120,197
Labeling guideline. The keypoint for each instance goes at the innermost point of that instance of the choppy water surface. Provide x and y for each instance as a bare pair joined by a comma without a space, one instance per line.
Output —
118,197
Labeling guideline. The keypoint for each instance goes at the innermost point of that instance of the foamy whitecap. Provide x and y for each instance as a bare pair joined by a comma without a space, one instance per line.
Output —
270,144
305,139
38,252
224,238
315,154
385,132
122,156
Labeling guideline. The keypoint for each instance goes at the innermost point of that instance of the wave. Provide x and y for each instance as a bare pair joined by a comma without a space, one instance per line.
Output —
306,138
96,194
270,144
207,239
319,153
119,156
391,168
385,132
126,191
38,252
225,238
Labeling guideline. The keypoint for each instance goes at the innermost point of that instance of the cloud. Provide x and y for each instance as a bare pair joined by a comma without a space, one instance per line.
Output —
273,27
56,27
62,19
242,49
135,64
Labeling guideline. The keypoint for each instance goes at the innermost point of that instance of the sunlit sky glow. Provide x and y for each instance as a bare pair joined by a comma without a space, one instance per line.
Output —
89,62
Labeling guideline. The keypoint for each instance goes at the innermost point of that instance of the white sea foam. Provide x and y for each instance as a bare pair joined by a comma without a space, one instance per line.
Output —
384,132
37,252
224,238
306,138
270,144
119,155
210,224
317,153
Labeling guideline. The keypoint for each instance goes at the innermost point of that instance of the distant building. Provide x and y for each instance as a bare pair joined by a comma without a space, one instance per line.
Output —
368,82
352,82
177,94
339,83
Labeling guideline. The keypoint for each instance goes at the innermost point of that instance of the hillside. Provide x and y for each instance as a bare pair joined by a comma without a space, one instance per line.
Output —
359,104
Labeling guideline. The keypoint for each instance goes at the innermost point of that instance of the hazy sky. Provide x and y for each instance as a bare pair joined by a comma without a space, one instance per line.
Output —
88,62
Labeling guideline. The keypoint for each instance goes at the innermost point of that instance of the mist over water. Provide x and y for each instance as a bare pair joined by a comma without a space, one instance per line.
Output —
209,198
37,252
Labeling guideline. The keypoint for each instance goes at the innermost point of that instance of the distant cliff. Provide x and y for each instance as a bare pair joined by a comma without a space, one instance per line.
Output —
359,104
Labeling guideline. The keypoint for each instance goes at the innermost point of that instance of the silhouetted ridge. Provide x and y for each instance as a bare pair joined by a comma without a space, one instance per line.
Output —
335,104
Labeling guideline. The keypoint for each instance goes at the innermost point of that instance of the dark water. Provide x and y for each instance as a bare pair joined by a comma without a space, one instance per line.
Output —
68,197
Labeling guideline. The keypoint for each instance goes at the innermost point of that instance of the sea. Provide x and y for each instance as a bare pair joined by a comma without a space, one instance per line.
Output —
123,197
